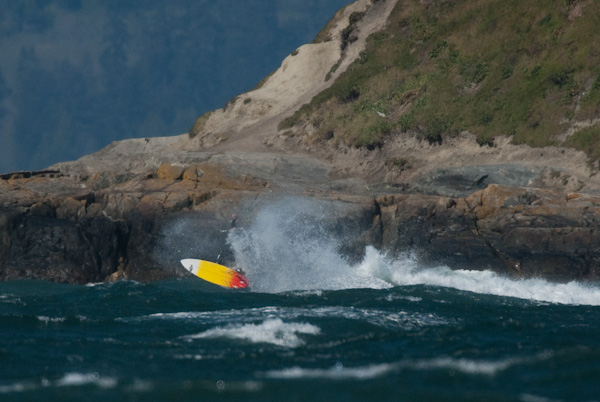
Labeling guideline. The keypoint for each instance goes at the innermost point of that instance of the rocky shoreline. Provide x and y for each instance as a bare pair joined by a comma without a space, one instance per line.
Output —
79,230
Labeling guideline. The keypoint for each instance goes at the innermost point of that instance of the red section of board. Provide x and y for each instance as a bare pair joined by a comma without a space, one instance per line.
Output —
239,281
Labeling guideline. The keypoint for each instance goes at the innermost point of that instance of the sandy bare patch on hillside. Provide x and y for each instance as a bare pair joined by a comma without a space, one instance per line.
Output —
251,119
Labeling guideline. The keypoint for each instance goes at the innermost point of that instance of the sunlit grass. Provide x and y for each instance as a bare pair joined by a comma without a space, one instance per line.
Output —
523,69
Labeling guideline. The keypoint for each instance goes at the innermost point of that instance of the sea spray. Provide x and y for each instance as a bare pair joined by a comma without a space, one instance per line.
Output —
291,245
191,237
405,271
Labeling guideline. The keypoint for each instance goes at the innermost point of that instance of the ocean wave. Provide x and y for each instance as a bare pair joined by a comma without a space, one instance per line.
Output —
407,272
200,356
288,249
487,282
341,372
382,318
208,317
466,366
47,320
17,387
73,379
79,379
55,320
337,372
6,298
392,297
272,331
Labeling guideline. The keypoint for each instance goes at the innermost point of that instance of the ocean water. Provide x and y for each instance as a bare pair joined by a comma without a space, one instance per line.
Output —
311,327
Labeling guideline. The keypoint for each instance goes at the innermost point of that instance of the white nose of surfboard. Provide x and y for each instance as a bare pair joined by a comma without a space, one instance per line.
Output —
189,263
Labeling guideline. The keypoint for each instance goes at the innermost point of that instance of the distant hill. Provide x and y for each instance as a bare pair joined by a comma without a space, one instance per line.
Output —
525,69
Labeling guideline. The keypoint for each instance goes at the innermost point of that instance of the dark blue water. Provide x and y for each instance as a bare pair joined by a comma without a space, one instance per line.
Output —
185,340
312,326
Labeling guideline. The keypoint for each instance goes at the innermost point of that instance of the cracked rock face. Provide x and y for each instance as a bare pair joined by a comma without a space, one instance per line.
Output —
62,229
517,231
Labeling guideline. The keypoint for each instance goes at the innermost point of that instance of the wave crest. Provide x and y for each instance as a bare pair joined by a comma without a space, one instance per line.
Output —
273,331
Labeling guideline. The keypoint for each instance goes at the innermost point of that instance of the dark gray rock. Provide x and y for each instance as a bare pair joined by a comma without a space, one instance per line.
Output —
66,229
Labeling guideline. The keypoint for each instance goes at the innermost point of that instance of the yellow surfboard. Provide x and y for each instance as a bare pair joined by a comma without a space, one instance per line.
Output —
215,273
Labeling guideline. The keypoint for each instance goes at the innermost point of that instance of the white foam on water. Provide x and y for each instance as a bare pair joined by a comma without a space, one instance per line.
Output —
382,318
337,372
198,356
340,372
15,388
10,299
80,379
467,366
67,380
272,331
47,320
406,272
288,248
535,398
401,297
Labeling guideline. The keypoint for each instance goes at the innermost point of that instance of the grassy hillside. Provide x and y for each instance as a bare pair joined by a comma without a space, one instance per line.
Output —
528,69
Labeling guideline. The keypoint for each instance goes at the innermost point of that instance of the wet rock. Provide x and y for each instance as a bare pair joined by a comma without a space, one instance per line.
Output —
64,229
542,232
60,250
435,229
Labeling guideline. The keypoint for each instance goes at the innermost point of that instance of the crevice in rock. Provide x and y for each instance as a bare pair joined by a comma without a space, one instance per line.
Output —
377,225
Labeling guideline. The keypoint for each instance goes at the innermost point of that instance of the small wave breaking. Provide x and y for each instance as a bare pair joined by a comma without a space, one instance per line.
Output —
337,372
287,248
273,319
72,379
272,331
406,272
341,372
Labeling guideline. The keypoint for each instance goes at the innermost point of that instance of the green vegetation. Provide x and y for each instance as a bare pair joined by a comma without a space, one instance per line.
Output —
587,139
527,69
348,33
199,125
398,163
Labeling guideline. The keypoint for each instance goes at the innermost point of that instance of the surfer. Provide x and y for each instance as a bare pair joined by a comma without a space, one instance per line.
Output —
237,232
120,273
234,227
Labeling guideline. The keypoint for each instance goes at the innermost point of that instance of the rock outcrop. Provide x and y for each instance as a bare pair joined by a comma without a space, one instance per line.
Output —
63,229
522,232
71,230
